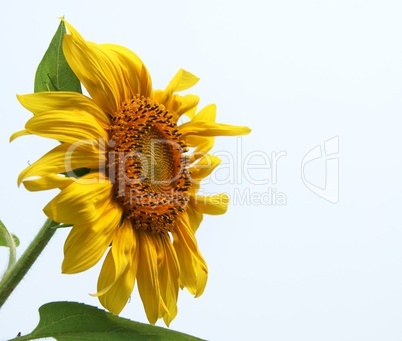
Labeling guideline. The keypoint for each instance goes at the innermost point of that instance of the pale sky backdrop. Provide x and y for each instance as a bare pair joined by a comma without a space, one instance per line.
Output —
290,260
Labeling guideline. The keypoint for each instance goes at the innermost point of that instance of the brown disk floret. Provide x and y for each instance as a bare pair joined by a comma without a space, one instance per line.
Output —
147,165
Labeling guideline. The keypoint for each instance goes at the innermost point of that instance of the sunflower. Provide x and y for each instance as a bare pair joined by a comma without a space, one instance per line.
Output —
128,174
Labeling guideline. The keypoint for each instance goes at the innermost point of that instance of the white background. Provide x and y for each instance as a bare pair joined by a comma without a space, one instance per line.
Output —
298,73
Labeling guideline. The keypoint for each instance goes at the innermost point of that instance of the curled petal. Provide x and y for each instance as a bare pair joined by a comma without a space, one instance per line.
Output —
19,134
182,80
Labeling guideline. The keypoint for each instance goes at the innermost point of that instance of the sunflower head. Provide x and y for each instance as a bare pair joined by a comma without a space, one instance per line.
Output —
138,202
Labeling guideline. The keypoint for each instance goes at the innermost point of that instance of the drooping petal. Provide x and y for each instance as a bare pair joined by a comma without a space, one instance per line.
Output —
123,243
117,277
119,293
83,201
147,275
87,242
193,269
123,248
65,158
107,278
169,279
70,102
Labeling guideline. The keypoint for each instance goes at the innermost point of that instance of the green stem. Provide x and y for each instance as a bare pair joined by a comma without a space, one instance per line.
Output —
14,275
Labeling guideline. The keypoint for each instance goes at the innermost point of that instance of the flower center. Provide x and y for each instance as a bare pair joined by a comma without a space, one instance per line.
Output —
147,165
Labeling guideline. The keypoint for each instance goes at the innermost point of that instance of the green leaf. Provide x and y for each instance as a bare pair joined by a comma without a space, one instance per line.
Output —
71,321
4,242
53,73
11,241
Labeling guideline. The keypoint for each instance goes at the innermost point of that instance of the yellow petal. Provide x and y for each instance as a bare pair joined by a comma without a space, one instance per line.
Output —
178,105
19,134
191,112
107,278
204,167
202,144
124,242
65,158
169,279
87,243
212,204
82,201
194,217
204,128
121,254
117,277
205,145
70,102
136,75
202,277
157,95
147,275
48,182
193,269
207,114
182,80
118,295
98,70
66,126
